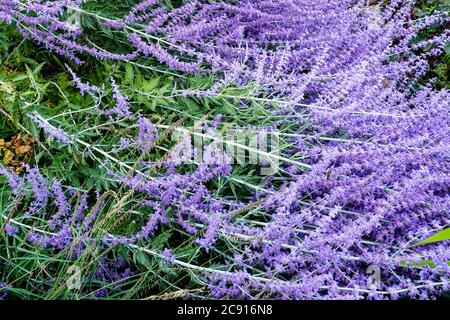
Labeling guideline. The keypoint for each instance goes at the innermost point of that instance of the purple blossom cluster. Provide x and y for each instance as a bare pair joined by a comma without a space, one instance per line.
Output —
146,135
122,107
299,49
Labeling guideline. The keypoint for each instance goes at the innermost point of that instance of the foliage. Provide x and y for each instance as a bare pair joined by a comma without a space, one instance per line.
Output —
90,114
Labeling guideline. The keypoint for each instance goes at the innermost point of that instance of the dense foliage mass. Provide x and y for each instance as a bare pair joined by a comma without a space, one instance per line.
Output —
356,94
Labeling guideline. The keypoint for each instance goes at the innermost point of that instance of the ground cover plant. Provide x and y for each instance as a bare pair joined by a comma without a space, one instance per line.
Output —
258,149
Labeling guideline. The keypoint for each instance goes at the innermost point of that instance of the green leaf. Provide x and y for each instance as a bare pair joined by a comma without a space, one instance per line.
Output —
129,74
438,237
420,265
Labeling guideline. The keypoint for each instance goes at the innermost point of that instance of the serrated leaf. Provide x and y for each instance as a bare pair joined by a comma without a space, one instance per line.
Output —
420,265
149,86
229,109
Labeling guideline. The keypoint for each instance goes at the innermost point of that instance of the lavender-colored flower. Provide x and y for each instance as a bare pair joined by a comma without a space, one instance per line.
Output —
168,256
39,188
61,202
10,230
146,135
117,24
14,180
4,290
373,139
